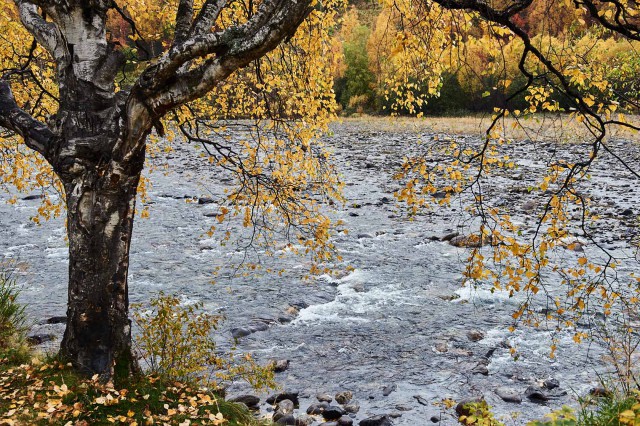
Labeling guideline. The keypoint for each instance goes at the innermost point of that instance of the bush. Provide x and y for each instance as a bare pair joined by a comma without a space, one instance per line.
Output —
176,343
12,315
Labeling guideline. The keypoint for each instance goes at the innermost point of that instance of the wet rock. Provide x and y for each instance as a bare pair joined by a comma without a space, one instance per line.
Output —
376,421
205,200
344,397
435,419
324,397
421,400
329,424
475,335
287,419
239,332
40,338
395,414
57,320
386,391
464,407
248,400
626,212
317,408
352,408
290,395
280,365
599,391
403,407
363,236
304,420
285,406
551,384
481,368
33,197
535,394
471,241
333,412
529,206
345,421
509,395
450,236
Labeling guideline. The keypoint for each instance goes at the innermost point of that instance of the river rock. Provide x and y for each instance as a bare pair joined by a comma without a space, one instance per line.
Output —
345,421
344,397
376,421
205,200
463,408
435,419
285,406
450,236
248,400
290,395
57,320
329,424
33,197
600,391
421,400
536,394
38,339
317,408
475,335
472,241
280,365
551,383
509,395
386,391
287,419
352,408
333,412
304,420
324,397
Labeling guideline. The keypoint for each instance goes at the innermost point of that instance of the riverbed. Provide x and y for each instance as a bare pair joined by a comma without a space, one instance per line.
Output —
396,328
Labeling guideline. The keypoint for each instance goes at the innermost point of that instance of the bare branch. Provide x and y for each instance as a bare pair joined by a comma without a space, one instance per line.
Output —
36,134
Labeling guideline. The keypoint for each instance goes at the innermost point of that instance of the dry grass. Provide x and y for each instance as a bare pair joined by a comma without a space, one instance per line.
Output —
540,127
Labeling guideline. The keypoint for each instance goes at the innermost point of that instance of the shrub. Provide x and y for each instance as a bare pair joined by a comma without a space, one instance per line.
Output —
12,315
176,343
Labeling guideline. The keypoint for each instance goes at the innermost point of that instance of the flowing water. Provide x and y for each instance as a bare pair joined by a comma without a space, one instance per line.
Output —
400,321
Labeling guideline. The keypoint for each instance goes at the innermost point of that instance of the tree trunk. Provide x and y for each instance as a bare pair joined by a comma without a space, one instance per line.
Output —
100,212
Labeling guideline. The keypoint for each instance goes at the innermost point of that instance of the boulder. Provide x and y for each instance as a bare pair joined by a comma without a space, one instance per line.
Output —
248,400
509,395
344,397
317,408
376,421
290,395
333,412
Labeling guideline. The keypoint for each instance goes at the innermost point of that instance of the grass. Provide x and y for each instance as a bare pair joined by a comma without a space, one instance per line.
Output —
538,127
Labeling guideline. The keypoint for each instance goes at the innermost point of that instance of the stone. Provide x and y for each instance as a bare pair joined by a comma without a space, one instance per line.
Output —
280,365
290,395
286,406
449,236
287,419
475,335
421,400
333,412
205,200
435,419
344,397
386,391
551,384
317,408
352,408
395,414
304,420
472,240
535,394
464,407
345,421
33,197
38,339
329,424
509,395
376,421
403,407
248,400
57,320
324,397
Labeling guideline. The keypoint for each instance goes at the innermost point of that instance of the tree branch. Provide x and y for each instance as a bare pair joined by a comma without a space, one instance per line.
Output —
207,16
183,21
36,134
46,33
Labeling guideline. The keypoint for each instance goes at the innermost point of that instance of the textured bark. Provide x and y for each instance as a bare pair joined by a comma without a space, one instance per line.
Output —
100,212
96,141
